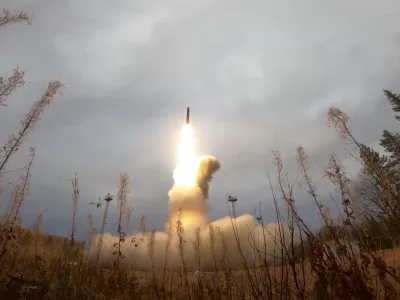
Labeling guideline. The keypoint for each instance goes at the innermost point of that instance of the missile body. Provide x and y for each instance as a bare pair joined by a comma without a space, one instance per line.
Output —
187,115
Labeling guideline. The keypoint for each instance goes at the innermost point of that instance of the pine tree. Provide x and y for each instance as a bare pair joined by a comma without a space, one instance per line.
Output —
382,172
391,141
394,100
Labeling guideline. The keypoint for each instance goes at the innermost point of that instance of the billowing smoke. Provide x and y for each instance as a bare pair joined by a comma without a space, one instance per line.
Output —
188,203
207,167
189,239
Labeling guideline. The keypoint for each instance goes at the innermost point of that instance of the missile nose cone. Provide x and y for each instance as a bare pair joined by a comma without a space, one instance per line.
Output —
187,115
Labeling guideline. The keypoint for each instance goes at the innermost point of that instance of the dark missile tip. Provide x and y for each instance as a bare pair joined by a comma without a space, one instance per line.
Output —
187,115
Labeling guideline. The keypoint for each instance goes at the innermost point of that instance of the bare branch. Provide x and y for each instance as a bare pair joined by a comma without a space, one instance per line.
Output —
9,19
122,211
30,119
7,87
21,191
340,121
75,200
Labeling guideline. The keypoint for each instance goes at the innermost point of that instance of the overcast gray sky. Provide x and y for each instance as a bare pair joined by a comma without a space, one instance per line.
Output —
257,74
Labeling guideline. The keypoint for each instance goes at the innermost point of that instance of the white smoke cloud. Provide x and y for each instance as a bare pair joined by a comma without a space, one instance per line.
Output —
190,240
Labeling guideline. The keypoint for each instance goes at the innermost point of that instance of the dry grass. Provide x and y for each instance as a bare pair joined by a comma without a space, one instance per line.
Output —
37,267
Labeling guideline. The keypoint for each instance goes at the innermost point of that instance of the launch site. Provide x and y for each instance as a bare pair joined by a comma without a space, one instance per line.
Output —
199,150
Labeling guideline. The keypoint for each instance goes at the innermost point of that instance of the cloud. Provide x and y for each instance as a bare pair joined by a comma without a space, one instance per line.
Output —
258,75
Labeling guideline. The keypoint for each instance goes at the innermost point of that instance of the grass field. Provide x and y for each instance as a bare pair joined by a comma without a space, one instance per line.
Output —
36,266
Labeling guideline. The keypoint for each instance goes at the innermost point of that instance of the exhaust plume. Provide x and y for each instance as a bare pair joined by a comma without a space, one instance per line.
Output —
189,239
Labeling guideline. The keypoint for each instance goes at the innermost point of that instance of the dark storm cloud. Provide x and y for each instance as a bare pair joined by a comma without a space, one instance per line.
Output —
258,75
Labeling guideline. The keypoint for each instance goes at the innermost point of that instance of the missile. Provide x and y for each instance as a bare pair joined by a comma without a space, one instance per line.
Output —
187,115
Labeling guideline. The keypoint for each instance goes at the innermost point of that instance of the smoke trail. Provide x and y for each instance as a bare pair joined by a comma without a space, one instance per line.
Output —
207,167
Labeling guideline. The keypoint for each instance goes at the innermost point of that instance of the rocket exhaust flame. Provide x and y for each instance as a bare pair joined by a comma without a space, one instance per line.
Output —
187,162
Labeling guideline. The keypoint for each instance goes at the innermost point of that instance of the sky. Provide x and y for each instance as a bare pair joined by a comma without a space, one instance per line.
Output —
257,75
